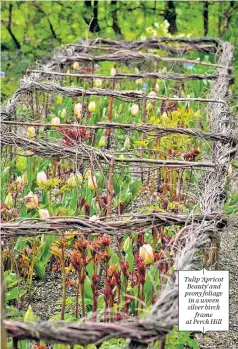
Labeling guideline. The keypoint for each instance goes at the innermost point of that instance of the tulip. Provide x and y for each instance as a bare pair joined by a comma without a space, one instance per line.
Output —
72,181
126,244
139,81
43,213
20,180
120,108
127,143
63,113
9,200
92,184
113,72
76,66
134,109
94,218
229,172
92,107
30,153
152,94
157,87
146,252
55,121
87,174
98,82
78,110
149,106
79,178
31,132
32,200
102,142
59,99
41,178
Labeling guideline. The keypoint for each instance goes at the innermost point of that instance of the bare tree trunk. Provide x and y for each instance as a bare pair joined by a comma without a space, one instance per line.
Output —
171,16
115,25
9,28
228,15
220,20
205,17
48,20
93,21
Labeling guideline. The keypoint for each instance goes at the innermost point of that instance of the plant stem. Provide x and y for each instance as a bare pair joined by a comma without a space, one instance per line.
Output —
142,295
63,285
137,303
77,300
119,299
83,301
110,188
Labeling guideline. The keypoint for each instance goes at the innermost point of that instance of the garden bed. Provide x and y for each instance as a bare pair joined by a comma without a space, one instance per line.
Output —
118,157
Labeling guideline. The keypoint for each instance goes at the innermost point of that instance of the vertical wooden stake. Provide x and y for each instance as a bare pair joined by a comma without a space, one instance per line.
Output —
108,131
143,135
110,187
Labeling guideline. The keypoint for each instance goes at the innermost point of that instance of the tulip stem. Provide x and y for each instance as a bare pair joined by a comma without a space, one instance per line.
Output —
137,303
83,301
63,285
77,300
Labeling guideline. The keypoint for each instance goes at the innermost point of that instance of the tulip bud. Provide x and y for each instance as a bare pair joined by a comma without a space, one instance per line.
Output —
146,252
41,178
134,109
120,108
113,72
32,200
92,107
43,213
149,106
127,143
9,200
63,113
76,66
139,81
55,121
59,99
79,178
31,132
157,87
30,153
229,172
102,142
126,244
98,82
71,181
94,218
78,110
87,174
152,94
92,184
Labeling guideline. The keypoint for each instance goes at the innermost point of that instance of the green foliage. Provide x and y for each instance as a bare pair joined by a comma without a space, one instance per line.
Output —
178,339
13,290
231,206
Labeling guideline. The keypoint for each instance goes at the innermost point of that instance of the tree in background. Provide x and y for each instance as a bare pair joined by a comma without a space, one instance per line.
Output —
92,21
205,17
171,16
31,30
